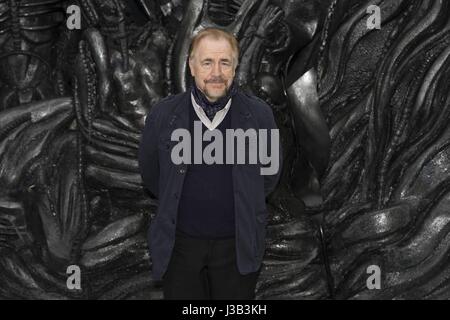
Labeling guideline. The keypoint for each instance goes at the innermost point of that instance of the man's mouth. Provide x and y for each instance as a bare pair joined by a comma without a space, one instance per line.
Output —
217,85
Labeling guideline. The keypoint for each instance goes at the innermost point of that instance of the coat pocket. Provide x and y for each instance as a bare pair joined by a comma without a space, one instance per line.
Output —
165,144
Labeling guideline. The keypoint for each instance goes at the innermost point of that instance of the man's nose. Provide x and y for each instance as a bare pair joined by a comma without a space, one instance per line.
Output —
216,70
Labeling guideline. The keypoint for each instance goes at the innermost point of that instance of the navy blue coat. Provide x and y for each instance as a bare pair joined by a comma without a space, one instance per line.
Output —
165,179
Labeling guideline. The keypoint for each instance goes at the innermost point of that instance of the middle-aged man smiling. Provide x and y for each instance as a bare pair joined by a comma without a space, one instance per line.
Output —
207,239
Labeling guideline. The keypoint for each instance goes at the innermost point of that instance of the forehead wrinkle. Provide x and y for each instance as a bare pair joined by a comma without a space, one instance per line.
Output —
223,48
208,57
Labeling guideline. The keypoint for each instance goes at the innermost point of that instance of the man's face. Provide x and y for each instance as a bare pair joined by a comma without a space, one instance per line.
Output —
213,67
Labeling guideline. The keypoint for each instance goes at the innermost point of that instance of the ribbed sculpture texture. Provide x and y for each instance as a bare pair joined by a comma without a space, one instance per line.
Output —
363,114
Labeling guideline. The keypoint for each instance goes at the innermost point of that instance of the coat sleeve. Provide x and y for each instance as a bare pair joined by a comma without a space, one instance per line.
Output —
148,152
271,181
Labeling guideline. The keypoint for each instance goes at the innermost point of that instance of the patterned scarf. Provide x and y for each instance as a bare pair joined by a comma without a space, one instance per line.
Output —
209,107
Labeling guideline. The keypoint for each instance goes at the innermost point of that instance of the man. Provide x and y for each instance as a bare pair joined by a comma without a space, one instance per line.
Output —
207,239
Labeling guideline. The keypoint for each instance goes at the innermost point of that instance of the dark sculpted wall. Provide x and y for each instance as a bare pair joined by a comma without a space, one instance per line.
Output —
364,118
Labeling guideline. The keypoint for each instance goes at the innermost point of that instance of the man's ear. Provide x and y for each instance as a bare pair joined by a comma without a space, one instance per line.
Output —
191,68
234,71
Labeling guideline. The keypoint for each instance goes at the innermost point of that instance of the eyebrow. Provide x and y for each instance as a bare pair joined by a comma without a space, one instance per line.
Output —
222,60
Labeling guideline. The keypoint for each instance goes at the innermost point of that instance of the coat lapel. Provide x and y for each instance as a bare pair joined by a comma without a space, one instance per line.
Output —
241,117
180,115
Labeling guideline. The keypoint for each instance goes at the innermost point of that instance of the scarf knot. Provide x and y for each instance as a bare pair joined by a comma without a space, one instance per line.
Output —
211,108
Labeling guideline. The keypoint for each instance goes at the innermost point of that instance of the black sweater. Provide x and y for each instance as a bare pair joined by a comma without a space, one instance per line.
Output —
206,206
